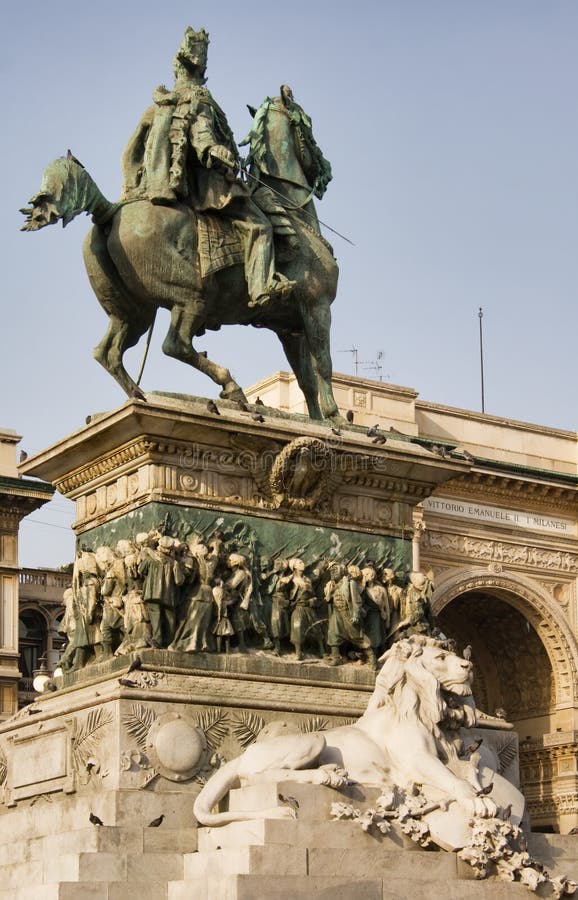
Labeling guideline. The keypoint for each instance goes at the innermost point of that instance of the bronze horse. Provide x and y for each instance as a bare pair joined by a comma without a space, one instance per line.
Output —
141,256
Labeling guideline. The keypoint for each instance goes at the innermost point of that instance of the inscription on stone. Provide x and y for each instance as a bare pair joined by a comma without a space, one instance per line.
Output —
507,517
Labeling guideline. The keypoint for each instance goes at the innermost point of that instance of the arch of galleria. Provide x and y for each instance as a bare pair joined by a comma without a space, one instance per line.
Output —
501,541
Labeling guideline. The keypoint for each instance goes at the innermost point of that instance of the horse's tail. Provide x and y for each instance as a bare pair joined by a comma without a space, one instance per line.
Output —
67,190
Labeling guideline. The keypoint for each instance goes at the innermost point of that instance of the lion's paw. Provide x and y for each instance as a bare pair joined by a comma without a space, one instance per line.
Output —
485,808
334,777
480,807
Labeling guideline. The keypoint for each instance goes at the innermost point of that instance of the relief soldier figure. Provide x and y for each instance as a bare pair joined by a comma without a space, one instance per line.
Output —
163,575
194,634
275,583
137,628
376,606
306,618
343,595
112,591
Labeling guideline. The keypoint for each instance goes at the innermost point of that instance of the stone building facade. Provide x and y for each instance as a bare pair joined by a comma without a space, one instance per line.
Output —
40,612
18,497
502,542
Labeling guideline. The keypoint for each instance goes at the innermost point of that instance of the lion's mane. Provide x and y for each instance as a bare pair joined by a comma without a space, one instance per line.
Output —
411,691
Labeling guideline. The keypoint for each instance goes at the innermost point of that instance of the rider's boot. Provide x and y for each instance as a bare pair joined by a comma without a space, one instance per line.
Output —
278,289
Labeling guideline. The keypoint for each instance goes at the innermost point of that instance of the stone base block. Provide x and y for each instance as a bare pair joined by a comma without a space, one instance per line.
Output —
278,859
314,801
262,887
339,834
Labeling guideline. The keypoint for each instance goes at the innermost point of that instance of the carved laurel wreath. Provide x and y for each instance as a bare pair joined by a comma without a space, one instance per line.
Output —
316,455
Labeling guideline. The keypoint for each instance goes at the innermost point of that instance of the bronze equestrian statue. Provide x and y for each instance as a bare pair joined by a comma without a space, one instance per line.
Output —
191,236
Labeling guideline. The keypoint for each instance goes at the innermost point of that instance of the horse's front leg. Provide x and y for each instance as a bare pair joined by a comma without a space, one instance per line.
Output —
186,322
298,356
317,321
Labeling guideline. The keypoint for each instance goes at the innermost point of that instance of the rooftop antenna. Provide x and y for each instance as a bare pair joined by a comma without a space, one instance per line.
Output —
354,351
480,317
375,365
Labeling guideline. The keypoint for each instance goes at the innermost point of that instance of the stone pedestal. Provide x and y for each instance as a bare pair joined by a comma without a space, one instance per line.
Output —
171,456
128,746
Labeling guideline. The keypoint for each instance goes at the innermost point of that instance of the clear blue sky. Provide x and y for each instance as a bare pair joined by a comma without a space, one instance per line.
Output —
452,129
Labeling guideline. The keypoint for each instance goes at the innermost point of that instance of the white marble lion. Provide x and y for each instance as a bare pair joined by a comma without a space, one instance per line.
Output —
399,740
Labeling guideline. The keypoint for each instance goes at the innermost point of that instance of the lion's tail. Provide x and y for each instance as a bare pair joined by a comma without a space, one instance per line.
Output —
225,779
217,787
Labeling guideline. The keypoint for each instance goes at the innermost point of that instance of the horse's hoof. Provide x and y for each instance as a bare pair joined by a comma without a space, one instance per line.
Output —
137,394
233,392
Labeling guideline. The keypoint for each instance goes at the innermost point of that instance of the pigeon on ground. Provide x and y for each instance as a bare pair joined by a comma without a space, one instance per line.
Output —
94,820
156,822
288,800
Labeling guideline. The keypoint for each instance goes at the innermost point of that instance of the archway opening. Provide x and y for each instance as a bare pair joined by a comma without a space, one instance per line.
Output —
512,670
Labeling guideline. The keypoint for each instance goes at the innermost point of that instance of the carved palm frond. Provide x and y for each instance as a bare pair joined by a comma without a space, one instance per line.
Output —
314,723
88,736
506,755
215,724
138,723
344,720
3,768
246,728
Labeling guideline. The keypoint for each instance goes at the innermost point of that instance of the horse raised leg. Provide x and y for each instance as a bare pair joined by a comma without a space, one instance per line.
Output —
185,323
128,320
299,358
109,353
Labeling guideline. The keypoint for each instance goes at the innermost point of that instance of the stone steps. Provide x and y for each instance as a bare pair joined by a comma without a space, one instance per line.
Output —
282,859
96,890
336,887
93,867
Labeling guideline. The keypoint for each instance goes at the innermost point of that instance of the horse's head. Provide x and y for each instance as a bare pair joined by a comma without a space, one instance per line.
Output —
59,196
282,144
